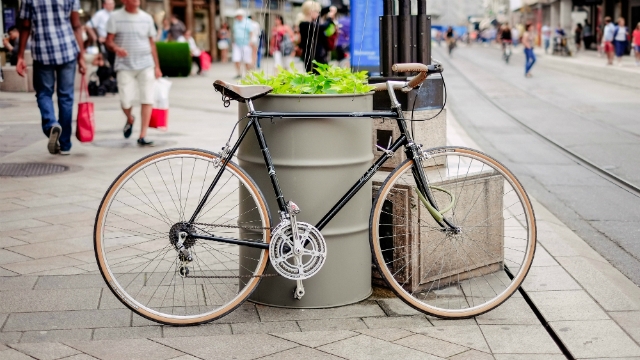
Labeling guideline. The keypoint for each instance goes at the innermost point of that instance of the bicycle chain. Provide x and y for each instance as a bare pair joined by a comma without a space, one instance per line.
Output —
231,277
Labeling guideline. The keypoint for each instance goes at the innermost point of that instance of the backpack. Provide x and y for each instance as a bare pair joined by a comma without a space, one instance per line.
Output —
332,37
286,45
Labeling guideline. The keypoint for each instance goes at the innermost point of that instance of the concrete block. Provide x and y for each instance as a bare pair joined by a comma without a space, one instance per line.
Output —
61,320
389,334
250,346
136,332
366,347
46,351
467,335
331,324
397,307
201,330
301,352
362,309
265,327
14,82
125,349
567,305
431,133
396,322
316,338
431,346
49,300
43,336
592,339
519,339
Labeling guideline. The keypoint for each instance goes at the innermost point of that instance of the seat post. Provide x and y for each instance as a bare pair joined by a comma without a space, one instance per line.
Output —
250,106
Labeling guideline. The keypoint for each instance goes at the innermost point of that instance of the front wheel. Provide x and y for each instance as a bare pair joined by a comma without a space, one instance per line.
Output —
140,243
453,272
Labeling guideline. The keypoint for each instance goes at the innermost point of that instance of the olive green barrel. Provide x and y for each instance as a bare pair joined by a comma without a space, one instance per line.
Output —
317,161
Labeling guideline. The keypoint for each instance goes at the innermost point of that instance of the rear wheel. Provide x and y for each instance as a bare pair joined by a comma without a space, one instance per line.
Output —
446,272
138,231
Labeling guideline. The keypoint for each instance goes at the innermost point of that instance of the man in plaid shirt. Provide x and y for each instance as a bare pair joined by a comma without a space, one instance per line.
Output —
56,45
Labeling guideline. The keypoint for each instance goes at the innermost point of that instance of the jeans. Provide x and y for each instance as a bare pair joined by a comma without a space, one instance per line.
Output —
531,59
44,81
546,45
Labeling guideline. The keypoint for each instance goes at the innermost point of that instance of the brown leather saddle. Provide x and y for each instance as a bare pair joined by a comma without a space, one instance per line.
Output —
241,92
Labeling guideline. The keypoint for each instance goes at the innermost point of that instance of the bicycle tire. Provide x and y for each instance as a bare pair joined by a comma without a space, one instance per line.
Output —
139,210
448,274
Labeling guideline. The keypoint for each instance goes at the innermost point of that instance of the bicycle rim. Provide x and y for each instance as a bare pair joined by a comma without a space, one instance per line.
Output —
136,234
446,273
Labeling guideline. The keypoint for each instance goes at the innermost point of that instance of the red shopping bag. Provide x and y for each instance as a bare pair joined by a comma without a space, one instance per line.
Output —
86,125
205,60
159,119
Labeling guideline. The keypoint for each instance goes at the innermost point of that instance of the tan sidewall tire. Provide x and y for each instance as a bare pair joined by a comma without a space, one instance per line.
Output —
377,253
107,276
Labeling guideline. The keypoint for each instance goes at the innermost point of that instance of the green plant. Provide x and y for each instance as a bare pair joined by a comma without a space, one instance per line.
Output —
329,80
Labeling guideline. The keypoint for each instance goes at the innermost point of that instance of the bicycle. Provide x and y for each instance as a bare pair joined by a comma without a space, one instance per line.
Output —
452,231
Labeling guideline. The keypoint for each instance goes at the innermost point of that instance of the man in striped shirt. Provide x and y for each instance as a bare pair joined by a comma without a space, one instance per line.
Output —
56,45
131,35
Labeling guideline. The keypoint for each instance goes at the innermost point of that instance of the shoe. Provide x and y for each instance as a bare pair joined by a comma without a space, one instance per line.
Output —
143,142
127,129
54,136
64,152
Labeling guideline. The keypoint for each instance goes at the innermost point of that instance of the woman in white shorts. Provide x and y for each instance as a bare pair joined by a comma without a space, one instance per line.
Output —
281,44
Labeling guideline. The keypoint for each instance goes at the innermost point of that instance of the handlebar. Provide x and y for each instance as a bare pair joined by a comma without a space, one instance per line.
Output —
412,82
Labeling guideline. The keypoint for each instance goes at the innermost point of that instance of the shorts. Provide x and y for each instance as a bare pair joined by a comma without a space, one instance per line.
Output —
608,47
243,54
280,60
143,80
636,48
621,47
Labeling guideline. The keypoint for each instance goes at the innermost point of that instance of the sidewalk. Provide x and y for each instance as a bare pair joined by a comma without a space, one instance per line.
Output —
54,304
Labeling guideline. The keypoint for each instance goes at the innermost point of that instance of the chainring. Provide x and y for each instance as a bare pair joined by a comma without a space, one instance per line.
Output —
283,259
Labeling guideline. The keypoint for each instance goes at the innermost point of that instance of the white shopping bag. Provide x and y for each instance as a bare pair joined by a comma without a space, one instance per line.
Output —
160,112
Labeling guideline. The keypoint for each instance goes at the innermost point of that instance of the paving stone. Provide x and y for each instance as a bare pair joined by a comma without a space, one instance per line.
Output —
397,307
472,355
49,300
265,327
55,335
600,338
55,248
451,322
513,311
54,232
53,201
32,214
130,349
70,282
74,270
530,357
11,354
249,346
5,273
549,278
81,357
316,338
200,330
34,266
468,336
629,321
137,319
6,241
542,258
46,351
110,301
396,322
362,309
186,357
612,290
331,324
519,339
10,257
137,332
390,334
431,345
300,352
567,305
19,224
366,347
55,320
10,337
17,283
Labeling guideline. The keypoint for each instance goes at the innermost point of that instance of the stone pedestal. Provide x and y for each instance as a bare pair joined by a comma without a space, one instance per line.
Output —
14,82
431,133
422,271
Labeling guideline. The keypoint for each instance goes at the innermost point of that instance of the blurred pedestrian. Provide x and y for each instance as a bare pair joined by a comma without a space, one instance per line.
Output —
163,34
577,33
451,40
97,29
439,37
195,51
256,32
281,44
313,39
515,35
620,40
607,39
587,35
176,29
131,35
636,43
224,42
11,42
242,51
344,35
528,39
56,46
546,37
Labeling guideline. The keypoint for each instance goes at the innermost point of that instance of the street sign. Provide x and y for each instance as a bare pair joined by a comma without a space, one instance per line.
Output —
365,34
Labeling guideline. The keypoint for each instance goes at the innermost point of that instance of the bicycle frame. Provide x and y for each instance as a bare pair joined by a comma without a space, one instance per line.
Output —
412,151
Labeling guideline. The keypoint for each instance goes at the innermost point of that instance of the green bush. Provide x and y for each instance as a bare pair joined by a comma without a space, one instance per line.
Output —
175,58
330,80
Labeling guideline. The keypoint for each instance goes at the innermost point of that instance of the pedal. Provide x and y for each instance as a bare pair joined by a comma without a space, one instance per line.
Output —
298,293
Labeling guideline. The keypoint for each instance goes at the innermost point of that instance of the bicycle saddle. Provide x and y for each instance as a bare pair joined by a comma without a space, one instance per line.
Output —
241,92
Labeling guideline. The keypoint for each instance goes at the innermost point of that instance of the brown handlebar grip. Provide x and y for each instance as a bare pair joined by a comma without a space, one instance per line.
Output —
416,80
379,86
410,67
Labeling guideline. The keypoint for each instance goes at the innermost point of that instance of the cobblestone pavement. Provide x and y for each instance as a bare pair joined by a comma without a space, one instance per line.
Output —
54,304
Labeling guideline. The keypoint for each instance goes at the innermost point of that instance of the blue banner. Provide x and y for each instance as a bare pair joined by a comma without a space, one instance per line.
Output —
365,33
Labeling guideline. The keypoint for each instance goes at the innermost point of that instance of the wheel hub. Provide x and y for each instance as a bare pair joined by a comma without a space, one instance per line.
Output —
174,234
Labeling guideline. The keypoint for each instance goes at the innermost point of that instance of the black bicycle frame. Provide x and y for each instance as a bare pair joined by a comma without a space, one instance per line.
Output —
411,151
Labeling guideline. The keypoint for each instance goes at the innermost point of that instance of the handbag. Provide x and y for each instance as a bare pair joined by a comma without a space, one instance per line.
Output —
86,125
160,110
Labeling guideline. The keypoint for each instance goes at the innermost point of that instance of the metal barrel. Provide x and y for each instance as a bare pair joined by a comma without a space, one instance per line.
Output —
317,161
